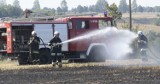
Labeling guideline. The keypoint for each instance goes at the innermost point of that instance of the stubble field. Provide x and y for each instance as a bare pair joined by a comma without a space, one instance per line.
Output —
110,72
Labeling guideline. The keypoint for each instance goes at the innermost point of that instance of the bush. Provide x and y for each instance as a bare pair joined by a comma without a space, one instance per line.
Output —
157,22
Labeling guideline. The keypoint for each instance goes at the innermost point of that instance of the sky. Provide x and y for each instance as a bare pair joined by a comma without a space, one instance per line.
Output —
74,3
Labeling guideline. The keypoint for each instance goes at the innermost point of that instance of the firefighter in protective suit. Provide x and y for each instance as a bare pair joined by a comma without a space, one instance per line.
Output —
142,45
33,43
56,49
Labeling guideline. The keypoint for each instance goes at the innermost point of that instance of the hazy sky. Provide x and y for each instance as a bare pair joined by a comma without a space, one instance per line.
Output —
74,3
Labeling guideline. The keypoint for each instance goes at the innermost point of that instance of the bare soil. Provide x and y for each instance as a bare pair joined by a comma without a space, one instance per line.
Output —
111,72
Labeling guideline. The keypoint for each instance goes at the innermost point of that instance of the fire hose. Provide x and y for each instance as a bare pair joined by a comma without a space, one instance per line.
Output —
43,42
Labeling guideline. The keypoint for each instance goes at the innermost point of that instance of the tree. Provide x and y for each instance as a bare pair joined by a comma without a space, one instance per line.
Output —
3,2
140,8
13,11
91,8
113,11
74,10
134,6
3,12
100,5
157,8
10,11
64,6
123,7
16,4
80,9
59,10
48,11
149,9
36,5
85,8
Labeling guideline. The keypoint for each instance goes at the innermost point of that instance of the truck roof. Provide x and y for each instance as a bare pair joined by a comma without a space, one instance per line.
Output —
57,21
3,24
33,22
66,19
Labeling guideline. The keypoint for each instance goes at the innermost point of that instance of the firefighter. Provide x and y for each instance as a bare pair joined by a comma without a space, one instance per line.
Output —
56,49
142,45
33,43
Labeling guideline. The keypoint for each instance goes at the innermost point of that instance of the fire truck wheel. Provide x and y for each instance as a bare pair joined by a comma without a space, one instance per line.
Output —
22,60
45,57
96,55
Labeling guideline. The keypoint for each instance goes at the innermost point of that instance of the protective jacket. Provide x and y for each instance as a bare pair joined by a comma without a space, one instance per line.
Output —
142,41
55,46
34,44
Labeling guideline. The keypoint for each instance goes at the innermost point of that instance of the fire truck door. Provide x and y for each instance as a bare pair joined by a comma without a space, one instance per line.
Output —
82,27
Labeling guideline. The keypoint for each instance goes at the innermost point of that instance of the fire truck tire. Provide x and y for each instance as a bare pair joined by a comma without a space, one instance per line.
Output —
45,57
22,60
95,55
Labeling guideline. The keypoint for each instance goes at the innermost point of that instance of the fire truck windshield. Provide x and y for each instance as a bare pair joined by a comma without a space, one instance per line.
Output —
103,23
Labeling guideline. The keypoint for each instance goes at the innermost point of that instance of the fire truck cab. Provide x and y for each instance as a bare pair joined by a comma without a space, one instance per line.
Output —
14,36
82,50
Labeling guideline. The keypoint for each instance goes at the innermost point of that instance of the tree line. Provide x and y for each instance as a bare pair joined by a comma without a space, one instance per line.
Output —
10,10
100,6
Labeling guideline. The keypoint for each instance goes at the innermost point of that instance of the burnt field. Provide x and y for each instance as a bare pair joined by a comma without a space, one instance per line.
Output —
110,72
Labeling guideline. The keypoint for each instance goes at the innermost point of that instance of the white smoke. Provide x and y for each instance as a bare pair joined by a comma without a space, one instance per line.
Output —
117,41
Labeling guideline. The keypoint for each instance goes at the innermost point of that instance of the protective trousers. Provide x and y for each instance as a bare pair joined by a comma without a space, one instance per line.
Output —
56,57
34,56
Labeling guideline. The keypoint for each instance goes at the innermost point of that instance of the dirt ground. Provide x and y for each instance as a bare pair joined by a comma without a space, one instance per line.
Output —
110,72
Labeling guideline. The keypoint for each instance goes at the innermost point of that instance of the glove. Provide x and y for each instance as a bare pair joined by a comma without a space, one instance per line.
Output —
144,42
54,44
59,44
49,44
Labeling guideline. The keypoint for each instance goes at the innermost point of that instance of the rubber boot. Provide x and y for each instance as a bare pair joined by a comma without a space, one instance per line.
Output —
59,64
53,64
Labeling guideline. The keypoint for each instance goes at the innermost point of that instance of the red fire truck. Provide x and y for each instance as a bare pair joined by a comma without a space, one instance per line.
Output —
14,36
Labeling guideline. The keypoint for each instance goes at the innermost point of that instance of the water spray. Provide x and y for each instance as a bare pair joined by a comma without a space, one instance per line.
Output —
118,41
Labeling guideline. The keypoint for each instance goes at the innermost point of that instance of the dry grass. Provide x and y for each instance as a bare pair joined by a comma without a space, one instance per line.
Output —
13,65
132,63
145,27
110,72
141,15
